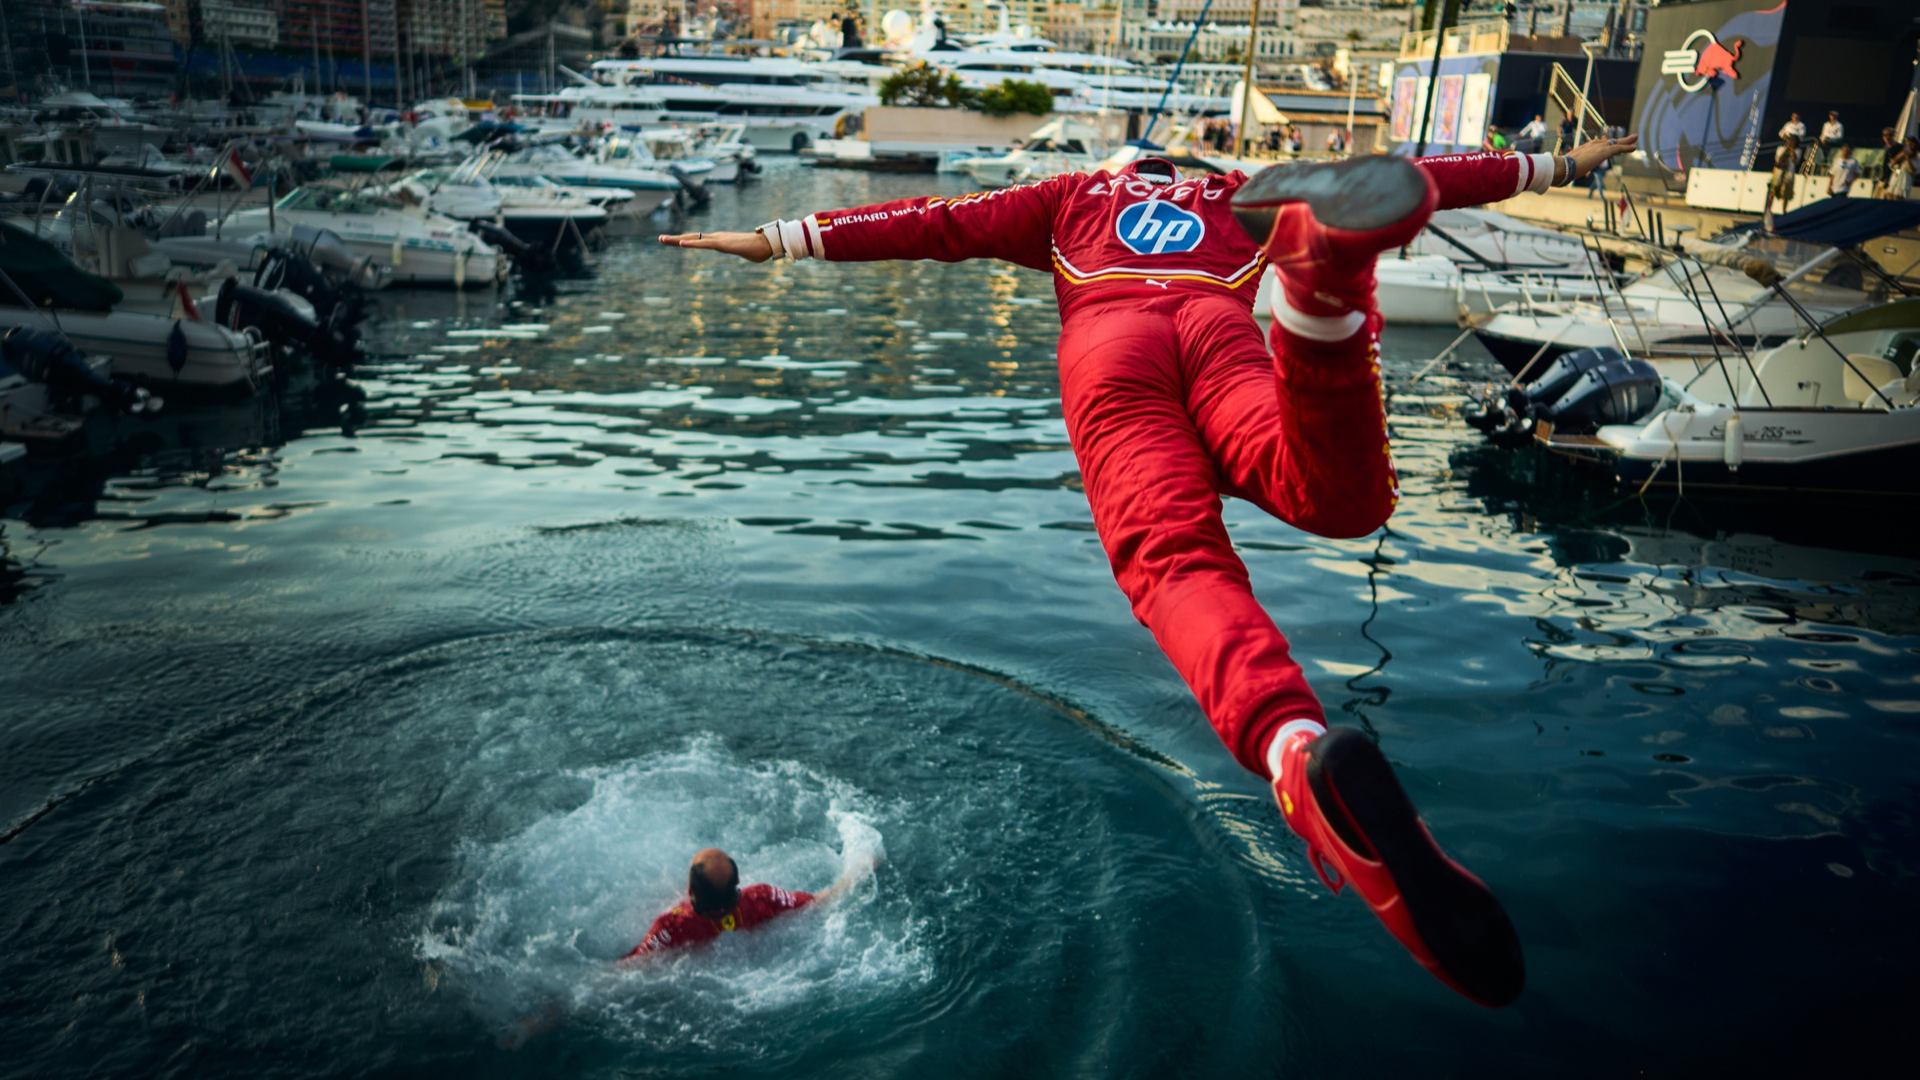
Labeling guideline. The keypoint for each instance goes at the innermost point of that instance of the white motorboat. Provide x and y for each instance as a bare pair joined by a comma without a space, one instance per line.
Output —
147,347
1434,290
1685,312
1835,410
681,146
153,349
1471,263
723,141
637,153
556,164
617,202
1057,146
534,215
1674,313
113,127
412,244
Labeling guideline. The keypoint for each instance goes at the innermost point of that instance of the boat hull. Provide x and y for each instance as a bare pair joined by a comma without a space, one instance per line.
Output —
1811,451
136,343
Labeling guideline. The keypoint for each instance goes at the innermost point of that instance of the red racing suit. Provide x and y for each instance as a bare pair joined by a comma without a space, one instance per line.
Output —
682,926
1172,398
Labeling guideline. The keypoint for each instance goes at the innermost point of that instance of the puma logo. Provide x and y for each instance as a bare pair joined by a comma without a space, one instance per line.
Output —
1162,284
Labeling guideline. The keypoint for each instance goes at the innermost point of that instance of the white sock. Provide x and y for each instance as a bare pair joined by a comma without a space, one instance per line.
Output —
1312,727
1317,327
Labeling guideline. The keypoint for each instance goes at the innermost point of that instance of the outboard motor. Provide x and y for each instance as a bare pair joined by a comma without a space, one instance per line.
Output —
1577,393
274,315
1566,370
1617,392
525,255
336,342
693,191
47,357
325,249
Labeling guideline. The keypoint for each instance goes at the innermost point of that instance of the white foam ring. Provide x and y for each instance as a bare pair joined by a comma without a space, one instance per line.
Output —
537,919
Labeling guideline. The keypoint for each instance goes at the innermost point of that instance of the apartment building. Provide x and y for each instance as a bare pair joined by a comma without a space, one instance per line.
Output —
243,24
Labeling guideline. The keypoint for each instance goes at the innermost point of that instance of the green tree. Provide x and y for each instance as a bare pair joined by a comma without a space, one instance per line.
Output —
1014,96
924,86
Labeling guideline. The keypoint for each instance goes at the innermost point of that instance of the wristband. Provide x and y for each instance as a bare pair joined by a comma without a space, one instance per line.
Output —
771,230
1570,172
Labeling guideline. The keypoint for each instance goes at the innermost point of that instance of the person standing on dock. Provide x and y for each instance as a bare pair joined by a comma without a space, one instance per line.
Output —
1532,136
1832,134
1780,186
1844,172
1795,130
1173,400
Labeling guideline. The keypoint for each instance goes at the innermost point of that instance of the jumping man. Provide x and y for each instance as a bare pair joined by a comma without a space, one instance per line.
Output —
1172,399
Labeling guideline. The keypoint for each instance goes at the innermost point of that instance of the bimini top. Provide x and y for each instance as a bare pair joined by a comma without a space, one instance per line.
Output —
1846,222
48,277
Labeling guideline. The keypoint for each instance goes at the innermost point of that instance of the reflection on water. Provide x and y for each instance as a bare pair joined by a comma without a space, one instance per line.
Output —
1653,726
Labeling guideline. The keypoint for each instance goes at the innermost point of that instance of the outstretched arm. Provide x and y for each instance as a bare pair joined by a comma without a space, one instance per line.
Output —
1015,224
1478,179
854,874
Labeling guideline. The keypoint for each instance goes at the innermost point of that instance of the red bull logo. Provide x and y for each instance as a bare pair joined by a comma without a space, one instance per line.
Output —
1700,59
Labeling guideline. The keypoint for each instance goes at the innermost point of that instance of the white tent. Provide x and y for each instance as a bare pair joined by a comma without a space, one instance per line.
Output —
1265,112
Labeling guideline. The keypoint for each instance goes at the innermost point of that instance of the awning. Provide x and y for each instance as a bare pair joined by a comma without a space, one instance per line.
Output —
1847,222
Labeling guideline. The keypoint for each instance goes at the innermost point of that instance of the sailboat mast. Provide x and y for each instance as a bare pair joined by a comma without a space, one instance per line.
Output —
1246,103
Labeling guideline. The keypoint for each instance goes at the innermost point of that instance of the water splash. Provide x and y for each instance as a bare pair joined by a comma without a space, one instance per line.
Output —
536,920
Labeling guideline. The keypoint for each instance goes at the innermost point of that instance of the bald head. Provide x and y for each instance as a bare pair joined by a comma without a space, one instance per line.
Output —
713,882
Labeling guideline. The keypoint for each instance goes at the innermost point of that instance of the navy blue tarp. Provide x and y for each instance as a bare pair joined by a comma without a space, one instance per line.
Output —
1847,222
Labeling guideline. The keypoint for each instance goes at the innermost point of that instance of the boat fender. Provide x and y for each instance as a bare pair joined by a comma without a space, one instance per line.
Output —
393,259
460,270
176,348
1735,449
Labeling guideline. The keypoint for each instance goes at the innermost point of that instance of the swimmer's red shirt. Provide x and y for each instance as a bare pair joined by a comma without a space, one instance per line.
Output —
681,926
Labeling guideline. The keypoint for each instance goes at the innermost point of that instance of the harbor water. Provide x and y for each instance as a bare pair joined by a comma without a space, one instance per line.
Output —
339,734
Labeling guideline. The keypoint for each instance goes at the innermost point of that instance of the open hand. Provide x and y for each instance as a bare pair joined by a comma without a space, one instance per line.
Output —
750,246
1588,155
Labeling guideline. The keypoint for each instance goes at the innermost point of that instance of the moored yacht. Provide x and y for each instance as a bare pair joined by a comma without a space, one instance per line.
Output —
785,105
413,244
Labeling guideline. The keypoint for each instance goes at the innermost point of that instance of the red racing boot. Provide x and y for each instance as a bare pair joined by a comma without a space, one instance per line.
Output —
1323,225
1338,792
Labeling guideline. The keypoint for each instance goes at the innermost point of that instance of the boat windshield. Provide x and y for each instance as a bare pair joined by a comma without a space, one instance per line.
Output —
1054,146
334,202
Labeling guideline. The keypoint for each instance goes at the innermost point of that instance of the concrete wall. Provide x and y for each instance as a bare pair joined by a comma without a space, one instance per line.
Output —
896,127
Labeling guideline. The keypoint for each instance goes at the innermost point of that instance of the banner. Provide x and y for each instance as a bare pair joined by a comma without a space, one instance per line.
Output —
1403,91
1473,111
1705,80
1452,89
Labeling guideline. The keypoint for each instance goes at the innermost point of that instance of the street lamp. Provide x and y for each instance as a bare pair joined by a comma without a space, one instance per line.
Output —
1580,125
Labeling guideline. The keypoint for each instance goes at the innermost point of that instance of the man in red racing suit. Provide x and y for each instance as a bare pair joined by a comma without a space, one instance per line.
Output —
1172,399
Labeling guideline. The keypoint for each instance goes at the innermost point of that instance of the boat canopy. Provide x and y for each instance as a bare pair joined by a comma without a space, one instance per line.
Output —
1895,315
1845,223
49,278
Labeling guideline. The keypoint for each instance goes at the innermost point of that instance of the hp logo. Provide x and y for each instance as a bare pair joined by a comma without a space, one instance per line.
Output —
1154,228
